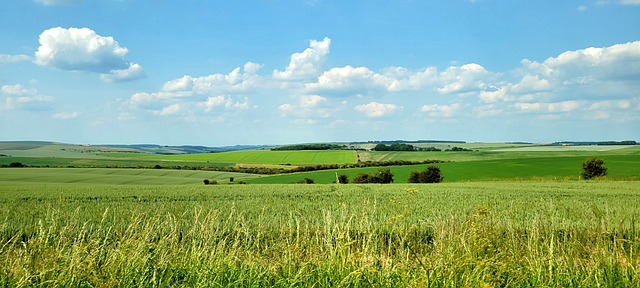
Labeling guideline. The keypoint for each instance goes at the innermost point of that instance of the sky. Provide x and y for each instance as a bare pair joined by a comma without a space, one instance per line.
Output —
217,73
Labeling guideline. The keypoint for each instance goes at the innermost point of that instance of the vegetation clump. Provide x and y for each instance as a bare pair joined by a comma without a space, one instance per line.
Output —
305,181
317,146
592,168
431,174
383,176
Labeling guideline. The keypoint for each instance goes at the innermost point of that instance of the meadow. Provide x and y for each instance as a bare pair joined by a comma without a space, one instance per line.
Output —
472,234
506,215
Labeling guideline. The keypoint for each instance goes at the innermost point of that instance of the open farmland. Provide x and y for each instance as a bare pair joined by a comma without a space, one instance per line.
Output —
459,234
253,157
116,176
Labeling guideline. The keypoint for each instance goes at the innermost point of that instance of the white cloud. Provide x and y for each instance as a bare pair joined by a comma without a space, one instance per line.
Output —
285,108
375,109
445,111
306,64
19,97
463,79
310,101
13,58
350,78
81,49
134,72
212,102
57,2
227,102
65,115
619,62
494,94
556,107
169,110
181,84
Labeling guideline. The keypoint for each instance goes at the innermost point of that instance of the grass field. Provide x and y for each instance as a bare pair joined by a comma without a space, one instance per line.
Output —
619,167
253,157
116,176
474,234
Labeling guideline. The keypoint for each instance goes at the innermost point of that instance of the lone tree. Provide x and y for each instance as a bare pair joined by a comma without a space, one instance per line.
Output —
593,167
430,175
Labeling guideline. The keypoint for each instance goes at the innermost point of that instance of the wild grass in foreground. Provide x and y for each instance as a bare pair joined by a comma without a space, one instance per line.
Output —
457,235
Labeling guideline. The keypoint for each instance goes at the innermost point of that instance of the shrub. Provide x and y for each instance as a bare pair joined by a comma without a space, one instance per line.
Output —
431,174
206,181
231,179
305,181
16,165
157,166
343,179
383,176
593,167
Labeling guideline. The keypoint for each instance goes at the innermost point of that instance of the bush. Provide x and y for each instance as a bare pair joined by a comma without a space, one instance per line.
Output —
210,182
305,181
16,165
231,179
343,179
383,176
430,175
592,168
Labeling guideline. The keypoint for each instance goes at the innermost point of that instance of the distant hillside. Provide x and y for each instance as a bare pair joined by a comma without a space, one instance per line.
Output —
53,149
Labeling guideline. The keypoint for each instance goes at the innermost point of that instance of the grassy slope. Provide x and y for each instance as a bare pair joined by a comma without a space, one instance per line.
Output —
619,167
253,157
114,176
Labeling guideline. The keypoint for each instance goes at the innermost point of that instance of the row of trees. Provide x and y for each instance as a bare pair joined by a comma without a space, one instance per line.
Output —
431,174
408,147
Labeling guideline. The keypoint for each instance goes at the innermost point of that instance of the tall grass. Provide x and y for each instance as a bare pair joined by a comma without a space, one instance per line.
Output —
465,234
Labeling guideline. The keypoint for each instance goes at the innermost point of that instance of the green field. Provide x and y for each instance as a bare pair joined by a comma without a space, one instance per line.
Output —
473,234
253,157
550,167
116,176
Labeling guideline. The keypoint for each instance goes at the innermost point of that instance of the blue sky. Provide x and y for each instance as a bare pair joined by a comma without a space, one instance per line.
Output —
275,72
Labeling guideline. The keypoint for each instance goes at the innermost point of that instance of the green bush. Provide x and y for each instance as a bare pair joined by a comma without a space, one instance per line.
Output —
592,168
383,176
431,174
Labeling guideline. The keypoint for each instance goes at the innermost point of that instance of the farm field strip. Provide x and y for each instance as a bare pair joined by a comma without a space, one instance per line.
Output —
253,157
537,233
115,176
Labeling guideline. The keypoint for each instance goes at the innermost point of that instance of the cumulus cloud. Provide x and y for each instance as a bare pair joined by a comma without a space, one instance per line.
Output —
618,62
350,78
596,80
4,58
65,115
463,79
169,110
445,111
19,97
375,109
82,49
307,63
564,106
311,101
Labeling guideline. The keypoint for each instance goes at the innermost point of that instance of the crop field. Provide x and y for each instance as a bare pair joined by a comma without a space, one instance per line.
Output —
253,157
472,234
116,176
556,167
